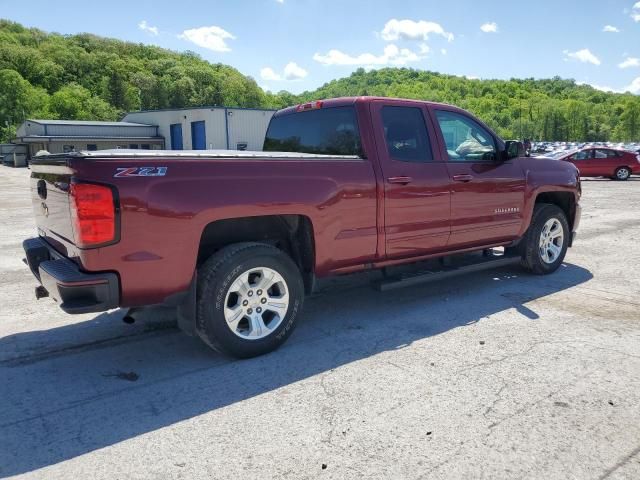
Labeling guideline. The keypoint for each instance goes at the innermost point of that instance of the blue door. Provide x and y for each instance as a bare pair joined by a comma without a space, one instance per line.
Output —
176,136
198,138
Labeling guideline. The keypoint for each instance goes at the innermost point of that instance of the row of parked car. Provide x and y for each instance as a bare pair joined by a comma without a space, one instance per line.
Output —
542,148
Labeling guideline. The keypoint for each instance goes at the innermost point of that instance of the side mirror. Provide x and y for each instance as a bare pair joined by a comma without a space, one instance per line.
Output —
514,149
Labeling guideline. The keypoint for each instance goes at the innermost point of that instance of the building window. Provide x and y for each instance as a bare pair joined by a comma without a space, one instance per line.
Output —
241,146
121,147
133,146
92,147
145,146
68,148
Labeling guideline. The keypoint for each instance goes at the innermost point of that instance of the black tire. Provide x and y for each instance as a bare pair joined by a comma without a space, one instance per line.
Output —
216,276
531,256
622,173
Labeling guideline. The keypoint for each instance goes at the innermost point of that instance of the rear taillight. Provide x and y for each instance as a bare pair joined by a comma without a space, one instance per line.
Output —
93,211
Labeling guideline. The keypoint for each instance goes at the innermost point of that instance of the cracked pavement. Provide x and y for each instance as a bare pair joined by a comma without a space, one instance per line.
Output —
494,375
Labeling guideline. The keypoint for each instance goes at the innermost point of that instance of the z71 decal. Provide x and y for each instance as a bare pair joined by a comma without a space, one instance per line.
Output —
140,172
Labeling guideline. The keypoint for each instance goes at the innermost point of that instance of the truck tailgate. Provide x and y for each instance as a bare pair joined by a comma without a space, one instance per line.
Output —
50,181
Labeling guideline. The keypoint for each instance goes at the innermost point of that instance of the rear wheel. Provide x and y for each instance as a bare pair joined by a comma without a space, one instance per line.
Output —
622,173
546,241
249,297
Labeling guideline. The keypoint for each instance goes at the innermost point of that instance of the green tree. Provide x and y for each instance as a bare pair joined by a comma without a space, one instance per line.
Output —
74,102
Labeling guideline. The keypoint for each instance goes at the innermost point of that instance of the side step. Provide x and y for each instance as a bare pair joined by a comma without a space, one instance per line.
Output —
451,269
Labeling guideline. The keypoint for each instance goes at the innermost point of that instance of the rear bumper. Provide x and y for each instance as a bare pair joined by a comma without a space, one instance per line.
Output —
74,290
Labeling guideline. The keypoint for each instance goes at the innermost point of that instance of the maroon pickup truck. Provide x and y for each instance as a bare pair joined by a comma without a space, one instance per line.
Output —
235,240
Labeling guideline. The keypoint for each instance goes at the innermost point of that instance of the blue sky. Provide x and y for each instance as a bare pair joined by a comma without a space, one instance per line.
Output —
300,44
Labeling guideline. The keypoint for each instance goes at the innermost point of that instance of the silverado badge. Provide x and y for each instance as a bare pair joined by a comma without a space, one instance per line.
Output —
507,210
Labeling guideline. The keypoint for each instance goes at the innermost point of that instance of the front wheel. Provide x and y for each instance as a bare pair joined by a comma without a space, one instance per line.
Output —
546,240
622,173
248,300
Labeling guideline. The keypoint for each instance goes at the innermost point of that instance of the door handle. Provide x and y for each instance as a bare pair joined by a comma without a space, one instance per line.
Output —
463,177
402,180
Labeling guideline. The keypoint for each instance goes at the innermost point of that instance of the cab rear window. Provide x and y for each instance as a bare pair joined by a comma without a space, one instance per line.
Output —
326,131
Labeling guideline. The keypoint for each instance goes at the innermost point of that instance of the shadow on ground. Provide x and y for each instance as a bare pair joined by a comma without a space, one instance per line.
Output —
60,403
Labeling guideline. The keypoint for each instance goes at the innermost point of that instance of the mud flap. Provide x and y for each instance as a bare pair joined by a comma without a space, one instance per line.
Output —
187,310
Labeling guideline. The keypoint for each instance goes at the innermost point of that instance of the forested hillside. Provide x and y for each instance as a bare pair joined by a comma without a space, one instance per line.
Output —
47,75
554,109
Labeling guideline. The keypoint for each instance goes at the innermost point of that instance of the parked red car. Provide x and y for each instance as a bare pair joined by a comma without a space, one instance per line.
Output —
604,162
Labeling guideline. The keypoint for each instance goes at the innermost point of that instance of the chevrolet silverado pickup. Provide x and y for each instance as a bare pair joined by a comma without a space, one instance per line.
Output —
235,240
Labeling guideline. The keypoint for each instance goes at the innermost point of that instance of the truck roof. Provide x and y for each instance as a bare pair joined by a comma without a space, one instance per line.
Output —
343,101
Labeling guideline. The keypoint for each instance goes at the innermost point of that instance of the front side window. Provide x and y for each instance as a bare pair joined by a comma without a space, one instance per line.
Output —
406,134
581,155
326,131
466,140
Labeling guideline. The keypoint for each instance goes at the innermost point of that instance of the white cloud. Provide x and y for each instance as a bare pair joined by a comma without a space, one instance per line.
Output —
610,28
489,27
212,38
392,55
443,51
424,48
292,71
630,62
635,12
267,73
634,86
411,30
584,56
602,88
280,1
144,26
471,77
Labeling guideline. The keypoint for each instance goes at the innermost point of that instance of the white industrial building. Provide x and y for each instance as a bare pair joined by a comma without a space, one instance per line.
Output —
199,128
208,128
62,136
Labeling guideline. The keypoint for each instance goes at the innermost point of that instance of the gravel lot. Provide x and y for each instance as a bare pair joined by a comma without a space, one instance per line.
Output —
494,375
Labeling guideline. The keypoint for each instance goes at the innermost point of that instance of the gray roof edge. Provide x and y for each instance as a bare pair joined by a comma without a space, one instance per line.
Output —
88,123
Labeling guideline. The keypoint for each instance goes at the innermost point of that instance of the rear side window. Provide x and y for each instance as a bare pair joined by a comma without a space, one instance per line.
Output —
604,153
326,131
406,134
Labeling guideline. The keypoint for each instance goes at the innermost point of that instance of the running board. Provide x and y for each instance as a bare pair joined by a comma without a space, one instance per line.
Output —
485,263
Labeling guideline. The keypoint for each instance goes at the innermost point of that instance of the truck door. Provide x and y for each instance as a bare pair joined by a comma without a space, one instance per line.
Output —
487,194
416,183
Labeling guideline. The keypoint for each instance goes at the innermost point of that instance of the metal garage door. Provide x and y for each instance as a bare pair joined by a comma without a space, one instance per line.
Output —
176,136
198,138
